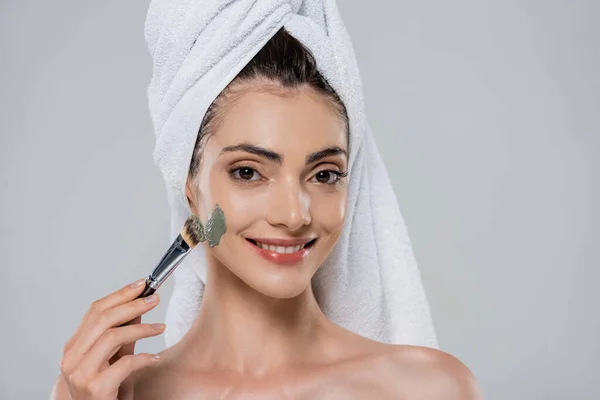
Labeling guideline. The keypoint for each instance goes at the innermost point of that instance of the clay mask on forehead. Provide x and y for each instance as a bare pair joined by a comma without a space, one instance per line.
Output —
215,227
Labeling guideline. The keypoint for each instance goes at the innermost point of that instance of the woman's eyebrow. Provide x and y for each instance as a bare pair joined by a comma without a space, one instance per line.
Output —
257,150
278,158
330,151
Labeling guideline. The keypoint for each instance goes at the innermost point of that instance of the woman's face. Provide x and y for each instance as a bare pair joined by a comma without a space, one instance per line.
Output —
273,167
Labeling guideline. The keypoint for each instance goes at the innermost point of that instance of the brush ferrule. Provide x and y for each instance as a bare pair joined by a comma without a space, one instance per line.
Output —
167,264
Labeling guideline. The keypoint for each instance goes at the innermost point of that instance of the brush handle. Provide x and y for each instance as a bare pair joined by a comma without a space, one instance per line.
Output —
147,292
165,267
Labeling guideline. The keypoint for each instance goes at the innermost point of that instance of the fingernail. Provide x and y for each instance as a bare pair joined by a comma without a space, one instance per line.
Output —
155,357
158,326
150,299
137,283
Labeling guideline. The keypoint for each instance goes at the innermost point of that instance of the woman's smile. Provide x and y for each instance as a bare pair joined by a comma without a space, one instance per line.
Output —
282,251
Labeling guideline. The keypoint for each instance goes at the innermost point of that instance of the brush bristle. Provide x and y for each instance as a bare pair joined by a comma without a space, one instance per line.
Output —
193,231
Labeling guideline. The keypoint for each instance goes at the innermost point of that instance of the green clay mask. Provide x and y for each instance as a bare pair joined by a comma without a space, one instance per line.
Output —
215,228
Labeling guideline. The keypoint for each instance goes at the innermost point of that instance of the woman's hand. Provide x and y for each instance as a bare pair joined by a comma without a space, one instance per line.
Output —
98,360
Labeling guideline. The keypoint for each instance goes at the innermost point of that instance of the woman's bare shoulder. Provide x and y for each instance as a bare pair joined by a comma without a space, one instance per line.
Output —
434,373
409,371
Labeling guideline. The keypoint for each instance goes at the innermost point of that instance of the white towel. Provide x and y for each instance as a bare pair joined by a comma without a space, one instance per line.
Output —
370,283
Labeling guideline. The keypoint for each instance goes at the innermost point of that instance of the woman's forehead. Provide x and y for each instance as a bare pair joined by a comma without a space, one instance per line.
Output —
298,121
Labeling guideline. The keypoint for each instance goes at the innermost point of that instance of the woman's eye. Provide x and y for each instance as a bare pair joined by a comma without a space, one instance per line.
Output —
244,174
329,177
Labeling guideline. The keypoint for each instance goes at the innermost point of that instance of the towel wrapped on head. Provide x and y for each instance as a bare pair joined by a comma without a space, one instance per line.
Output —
370,283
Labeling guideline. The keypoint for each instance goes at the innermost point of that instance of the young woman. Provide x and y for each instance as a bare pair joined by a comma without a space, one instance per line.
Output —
272,152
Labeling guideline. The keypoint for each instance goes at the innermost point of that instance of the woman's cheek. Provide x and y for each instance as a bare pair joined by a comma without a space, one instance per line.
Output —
330,211
239,202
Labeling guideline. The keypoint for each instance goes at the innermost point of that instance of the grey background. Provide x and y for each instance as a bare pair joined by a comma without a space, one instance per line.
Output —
487,116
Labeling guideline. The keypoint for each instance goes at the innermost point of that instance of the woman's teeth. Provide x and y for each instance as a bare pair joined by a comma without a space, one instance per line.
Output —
281,249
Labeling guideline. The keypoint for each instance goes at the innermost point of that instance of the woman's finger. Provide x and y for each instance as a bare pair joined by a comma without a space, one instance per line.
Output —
121,296
119,371
111,341
112,318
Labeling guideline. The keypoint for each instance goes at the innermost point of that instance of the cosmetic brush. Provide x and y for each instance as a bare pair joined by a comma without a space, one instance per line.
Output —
191,234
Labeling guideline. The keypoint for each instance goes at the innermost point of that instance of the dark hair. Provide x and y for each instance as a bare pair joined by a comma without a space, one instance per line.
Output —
282,64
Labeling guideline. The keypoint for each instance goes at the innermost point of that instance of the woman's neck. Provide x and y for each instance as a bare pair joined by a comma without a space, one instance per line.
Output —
243,331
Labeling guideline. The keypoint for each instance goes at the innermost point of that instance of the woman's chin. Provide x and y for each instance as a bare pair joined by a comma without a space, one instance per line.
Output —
280,289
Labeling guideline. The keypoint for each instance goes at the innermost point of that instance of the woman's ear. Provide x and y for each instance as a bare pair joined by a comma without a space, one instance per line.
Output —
191,197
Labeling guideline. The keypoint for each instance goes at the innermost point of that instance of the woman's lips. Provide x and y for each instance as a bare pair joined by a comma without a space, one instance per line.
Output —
281,258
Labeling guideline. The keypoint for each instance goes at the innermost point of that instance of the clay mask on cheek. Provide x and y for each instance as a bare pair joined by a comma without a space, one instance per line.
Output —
215,228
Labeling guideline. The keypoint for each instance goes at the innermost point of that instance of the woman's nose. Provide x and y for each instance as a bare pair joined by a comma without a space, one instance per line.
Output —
290,206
